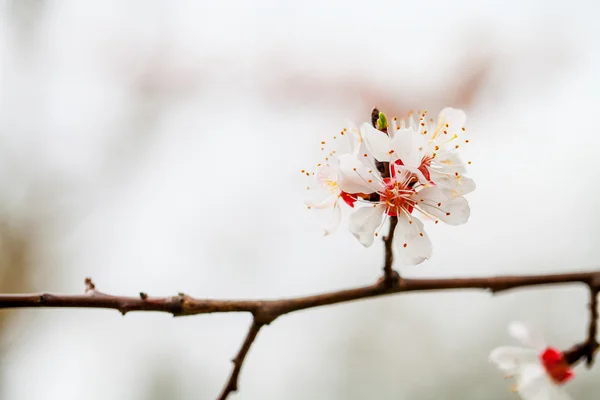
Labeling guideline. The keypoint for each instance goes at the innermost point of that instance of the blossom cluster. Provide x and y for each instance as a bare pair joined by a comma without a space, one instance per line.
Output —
409,169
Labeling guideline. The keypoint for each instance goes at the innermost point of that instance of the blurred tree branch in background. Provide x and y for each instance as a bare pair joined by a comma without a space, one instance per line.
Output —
15,269
459,90
15,249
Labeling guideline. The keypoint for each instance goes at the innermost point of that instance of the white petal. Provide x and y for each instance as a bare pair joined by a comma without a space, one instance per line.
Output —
464,185
409,146
327,212
527,335
327,174
454,117
511,359
402,143
411,122
531,383
450,163
459,185
365,155
353,138
423,126
378,143
334,220
355,176
420,149
392,128
412,243
320,199
442,203
557,393
534,384
403,173
364,222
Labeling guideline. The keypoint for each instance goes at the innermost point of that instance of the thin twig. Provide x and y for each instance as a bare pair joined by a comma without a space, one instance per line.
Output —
232,382
592,342
586,350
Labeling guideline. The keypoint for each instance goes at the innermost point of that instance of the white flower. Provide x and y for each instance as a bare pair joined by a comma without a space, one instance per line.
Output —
392,174
398,196
540,370
326,195
431,149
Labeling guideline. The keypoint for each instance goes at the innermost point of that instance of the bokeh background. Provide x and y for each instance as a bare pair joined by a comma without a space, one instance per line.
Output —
156,146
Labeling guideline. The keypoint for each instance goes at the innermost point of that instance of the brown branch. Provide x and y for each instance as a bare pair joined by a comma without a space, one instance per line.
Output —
232,382
266,311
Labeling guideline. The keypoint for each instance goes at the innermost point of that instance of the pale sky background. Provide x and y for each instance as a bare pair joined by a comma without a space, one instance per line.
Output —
156,146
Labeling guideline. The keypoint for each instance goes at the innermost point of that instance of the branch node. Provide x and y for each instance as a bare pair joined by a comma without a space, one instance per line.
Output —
143,295
391,282
181,299
89,285
264,317
594,283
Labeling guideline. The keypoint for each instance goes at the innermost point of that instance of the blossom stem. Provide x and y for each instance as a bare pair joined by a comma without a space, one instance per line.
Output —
389,275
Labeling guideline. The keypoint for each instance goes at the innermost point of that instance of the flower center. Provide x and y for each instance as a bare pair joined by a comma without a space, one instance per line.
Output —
331,185
350,199
424,167
396,196
556,366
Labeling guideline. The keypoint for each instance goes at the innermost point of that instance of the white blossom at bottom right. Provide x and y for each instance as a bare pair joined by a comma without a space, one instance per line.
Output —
540,370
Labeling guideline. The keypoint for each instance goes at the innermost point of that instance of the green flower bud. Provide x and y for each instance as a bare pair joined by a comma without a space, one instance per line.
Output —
382,122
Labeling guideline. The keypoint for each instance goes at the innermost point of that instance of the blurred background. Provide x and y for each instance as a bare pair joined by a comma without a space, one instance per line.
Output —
156,146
